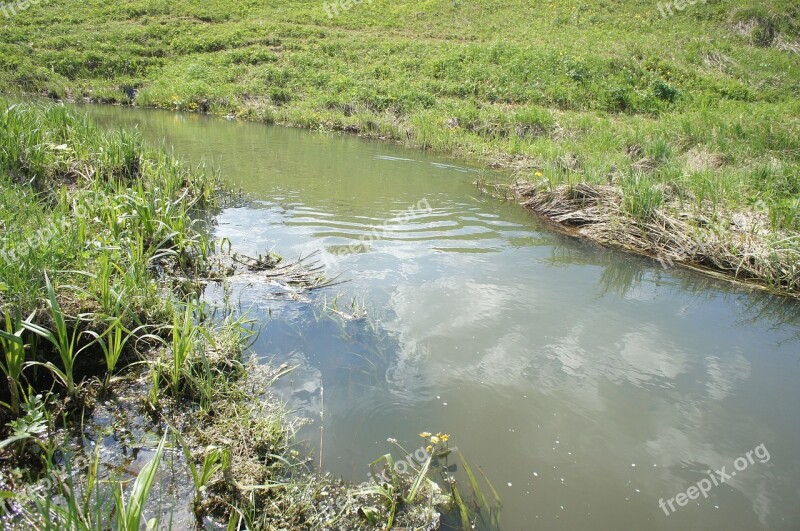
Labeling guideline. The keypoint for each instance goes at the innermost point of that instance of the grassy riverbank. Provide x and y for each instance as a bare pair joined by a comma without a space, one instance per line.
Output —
126,397
687,113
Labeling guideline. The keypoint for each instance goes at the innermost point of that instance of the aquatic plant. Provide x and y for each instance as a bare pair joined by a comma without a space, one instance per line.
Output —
112,342
29,426
63,339
400,487
214,460
184,341
13,347
131,511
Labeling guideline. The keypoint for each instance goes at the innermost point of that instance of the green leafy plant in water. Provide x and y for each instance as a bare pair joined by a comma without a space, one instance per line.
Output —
86,505
79,507
129,515
13,347
203,380
204,361
112,342
471,509
31,425
184,339
215,459
64,340
493,510
389,491
394,489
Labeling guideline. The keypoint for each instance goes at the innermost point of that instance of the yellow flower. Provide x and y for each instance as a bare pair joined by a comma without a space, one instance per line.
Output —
445,437
428,448
538,174
425,434
434,439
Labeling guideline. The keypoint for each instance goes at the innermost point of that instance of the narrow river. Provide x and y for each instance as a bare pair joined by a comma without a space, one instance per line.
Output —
585,383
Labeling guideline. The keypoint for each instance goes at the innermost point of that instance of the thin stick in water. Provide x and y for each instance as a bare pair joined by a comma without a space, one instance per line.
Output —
322,421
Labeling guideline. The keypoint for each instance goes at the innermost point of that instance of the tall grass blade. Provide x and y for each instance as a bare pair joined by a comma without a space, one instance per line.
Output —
421,476
129,516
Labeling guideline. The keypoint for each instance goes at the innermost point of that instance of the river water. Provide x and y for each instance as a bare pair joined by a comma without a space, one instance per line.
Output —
586,384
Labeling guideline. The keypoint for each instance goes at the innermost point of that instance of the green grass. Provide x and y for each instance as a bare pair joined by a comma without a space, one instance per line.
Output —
13,347
87,216
94,210
708,96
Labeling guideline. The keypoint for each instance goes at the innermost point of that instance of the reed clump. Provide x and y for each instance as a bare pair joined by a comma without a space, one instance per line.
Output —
738,244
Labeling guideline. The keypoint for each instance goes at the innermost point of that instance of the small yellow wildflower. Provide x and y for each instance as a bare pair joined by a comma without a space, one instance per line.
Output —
444,437
538,174
434,439
425,434
429,448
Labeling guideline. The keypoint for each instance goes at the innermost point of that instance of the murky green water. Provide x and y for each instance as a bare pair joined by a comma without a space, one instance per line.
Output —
585,383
